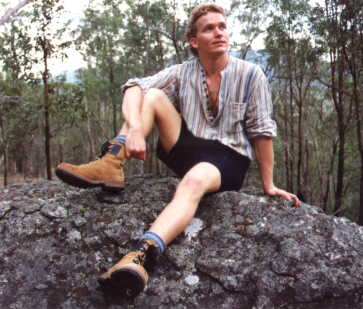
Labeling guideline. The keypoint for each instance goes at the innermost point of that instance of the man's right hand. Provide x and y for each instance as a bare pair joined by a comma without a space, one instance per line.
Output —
135,144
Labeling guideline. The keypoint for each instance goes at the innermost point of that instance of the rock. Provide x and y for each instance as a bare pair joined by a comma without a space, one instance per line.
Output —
4,208
242,250
54,211
192,280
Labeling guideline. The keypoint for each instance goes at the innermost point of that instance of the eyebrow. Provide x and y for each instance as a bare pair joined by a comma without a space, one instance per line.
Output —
221,23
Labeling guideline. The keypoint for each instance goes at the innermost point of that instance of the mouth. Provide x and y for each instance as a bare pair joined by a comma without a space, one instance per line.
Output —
219,42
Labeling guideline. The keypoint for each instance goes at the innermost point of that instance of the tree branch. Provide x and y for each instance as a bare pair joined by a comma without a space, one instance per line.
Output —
13,11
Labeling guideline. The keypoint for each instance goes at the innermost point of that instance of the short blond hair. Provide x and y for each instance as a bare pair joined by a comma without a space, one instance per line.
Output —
196,13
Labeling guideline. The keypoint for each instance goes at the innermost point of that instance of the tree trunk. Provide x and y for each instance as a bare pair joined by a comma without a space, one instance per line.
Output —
340,173
46,104
47,132
341,133
113,99
89,133
5,156
292,147
300,149
360,220
359,127
287,150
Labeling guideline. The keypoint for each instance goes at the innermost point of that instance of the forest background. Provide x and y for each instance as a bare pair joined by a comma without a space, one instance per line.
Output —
312,54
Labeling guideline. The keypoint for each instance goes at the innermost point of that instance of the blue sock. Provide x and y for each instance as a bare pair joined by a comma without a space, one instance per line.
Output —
156,237
120,138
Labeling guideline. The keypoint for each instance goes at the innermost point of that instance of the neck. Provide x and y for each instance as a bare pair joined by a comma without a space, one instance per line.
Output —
213,65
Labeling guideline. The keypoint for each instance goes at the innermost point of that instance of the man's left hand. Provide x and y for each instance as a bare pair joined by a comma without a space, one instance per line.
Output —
273,191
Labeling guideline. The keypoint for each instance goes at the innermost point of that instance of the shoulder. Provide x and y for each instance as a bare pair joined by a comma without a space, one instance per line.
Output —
246,67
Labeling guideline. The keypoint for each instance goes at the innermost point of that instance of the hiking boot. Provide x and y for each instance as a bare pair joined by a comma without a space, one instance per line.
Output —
129,276
106,172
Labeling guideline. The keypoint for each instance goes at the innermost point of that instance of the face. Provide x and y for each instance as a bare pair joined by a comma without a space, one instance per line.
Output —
212,37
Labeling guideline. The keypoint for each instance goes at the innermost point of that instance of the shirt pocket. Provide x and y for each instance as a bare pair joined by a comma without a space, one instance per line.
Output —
235,115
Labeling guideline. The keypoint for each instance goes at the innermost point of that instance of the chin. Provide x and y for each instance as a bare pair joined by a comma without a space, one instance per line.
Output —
220,52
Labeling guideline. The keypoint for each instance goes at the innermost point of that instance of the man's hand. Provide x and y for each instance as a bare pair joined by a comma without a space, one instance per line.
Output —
273,191
135,144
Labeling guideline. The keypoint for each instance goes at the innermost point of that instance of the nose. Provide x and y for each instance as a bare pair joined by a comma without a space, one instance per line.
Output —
218,32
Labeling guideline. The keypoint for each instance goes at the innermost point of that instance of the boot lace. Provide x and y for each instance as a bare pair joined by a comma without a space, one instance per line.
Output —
141,254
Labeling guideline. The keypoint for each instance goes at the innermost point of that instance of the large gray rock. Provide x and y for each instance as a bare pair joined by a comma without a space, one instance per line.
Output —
242,250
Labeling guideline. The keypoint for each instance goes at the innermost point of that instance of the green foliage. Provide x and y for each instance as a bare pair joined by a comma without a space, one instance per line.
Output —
68,104
15,47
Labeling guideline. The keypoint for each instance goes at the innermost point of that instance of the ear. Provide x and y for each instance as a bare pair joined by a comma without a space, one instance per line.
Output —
193,42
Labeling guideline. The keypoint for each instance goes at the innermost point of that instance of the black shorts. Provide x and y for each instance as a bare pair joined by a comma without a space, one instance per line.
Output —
190,150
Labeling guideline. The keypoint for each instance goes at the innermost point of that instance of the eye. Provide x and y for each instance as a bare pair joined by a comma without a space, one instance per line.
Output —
223,27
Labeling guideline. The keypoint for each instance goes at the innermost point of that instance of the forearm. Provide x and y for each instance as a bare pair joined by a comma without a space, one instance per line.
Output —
265,159
264,154
132,106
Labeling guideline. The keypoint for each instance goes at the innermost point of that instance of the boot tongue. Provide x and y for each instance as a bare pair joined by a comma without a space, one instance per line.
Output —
115,149
112,148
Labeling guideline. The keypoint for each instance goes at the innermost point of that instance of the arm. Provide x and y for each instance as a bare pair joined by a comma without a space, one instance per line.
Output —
131,108
134,91
263,149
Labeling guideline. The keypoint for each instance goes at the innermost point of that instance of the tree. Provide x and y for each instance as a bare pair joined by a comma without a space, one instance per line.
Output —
250,16
15,47
44,14
99,40
352,27
33,39
330,26
293,59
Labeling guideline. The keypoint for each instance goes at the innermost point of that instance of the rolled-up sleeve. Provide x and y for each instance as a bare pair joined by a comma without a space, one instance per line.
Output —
166,80
258,120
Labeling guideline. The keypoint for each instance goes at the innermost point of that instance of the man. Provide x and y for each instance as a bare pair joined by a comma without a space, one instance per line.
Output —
213,114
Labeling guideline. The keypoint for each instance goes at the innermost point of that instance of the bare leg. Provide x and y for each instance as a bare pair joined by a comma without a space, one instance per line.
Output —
157,108
202,178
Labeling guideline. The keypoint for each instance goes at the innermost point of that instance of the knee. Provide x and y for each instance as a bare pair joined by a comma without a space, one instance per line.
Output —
154,95
191,187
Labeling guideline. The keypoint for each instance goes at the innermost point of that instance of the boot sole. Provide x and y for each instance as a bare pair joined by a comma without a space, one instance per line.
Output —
81,182
123,281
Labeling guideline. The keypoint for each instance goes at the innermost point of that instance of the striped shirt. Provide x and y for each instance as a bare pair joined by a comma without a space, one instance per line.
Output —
244,109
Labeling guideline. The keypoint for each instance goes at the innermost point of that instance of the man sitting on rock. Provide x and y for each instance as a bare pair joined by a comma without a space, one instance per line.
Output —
213,114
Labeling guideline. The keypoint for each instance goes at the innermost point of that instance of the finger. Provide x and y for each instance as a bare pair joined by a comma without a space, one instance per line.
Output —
297,203
284,195
137,154
296,200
